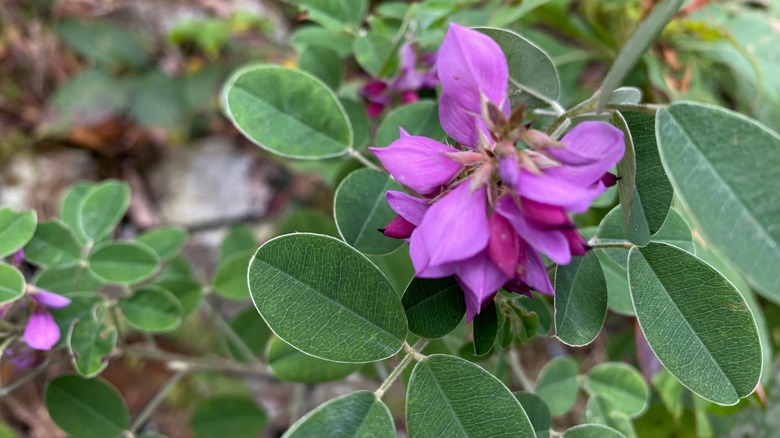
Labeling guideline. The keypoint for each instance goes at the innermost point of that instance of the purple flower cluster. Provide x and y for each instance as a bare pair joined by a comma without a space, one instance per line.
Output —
489,210
416,73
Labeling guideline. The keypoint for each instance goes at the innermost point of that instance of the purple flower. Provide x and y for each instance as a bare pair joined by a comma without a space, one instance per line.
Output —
490,210
415,73
18,258
42,332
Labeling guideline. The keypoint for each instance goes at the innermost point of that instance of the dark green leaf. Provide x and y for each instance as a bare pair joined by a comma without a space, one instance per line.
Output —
537,412
420,118
152,310
90,342
231,416
16,229
342,310
485,329
360,209
695,321
123,262
358,118
86,408
166,242
291,365
103,42
287,112
12,283
580,300
451,397
187,291
250,327
334,14
434,307
356,415
557,384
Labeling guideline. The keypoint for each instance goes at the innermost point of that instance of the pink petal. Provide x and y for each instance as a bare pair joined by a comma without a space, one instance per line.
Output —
373,109
50,299
600,141
550,242
471,64
374,89
509,171
535,274
41,333
552,189
422,261
480,279
577,244
398,228
412,209
456,226
503,246
544,215
418,162
459,124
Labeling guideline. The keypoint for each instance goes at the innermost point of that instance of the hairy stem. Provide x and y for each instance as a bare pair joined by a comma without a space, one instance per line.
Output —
363,160
624,244
412,354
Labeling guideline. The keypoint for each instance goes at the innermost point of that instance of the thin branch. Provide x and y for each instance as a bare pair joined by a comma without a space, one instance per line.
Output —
363,160
624,244
412,354
30,376
229,333
155,402
517,370
181,362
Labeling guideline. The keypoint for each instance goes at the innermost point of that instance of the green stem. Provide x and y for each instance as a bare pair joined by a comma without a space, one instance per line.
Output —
363,160
517,370
155,402
180,362
413,353
646,108
624,244
229,333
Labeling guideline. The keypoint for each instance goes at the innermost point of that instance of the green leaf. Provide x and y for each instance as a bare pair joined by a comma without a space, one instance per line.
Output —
103,42
70,205
152,310
630,95
291,365
239,239
334,14
102,208
343,310
537,412
16,229
89,343
81,307
653,196
621,384
356,415
360,209
434,307
397,267
251,328
696,322
337,40
634,222
448,397
86,408
557,384
600,411
636,46
166,242
358,118
485,329
123,262
231,416
230,279
592,431
309,221
671,392
53,244
724,167
187,291
618,296
323,63
532,74
89,97
377,54
12,283
580,300
66,281
287,112
419,118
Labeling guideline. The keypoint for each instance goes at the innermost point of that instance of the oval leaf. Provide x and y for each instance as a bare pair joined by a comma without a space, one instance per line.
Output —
622,385
359,414
724,167
16,229
166,242
86,408
447,398
123,262
70,205
580,300
324,298
152,309
67,281
291,365
434,307
360,210
485,329
537,412
592,431
557,384
695,321
12,283
287,112
420,118
230,279
101,209
377,54
90,342
231,416
53,244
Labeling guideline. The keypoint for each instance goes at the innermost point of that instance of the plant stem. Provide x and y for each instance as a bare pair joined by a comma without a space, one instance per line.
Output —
517,370
624,244
363,160
635,107
412,353
155,402
180,362
229,333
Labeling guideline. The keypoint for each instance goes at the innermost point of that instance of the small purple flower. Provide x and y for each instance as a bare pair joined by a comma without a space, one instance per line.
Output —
18,258
415,73
490,209
42,332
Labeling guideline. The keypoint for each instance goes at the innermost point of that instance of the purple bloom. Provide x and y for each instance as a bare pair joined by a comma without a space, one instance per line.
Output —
18,258
416,73
493,209
42,332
